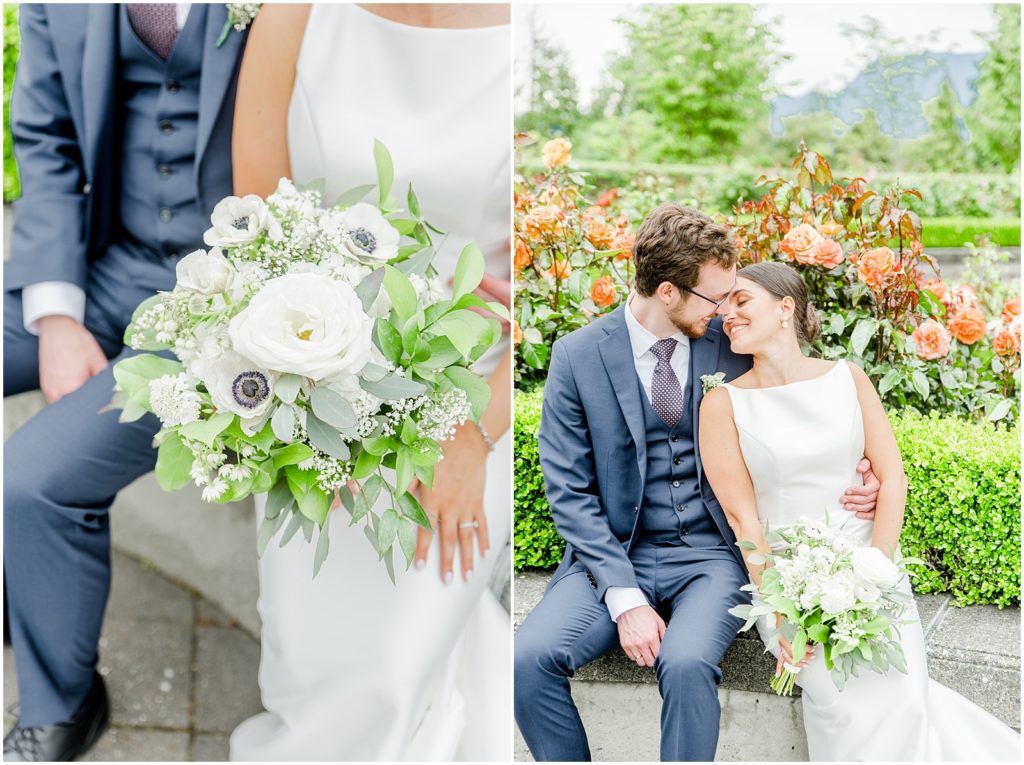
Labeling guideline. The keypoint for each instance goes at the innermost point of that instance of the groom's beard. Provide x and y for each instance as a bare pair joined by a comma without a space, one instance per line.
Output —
693,330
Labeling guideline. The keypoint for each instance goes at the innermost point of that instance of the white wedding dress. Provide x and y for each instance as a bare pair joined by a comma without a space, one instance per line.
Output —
801,443
352,666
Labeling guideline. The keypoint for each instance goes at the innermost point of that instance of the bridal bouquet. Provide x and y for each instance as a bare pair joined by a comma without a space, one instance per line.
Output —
315,347
833,591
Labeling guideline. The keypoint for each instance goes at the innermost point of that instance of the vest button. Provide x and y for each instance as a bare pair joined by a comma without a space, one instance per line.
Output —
164,170
166,215
173,86
166,127
677,460
680,508
87,188
675,438
684,532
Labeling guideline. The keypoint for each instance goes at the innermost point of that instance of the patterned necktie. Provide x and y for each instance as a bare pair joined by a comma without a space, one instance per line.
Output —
666,393
156,25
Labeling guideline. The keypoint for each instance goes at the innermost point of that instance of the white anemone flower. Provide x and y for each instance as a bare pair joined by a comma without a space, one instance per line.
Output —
237,385
366,234
238,221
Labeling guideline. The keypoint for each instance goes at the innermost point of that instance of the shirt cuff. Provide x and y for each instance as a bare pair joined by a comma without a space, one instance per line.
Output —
51,299
621,599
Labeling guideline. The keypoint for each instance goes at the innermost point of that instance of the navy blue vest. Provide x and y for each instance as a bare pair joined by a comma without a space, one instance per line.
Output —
159,212
673,512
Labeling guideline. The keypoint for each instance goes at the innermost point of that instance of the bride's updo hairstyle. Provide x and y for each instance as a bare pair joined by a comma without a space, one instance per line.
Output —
782,281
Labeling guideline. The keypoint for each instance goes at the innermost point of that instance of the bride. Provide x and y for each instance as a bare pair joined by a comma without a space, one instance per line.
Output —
782,441
354,667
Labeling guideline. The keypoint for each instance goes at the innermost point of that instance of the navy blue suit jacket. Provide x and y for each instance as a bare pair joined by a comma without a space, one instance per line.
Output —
63,119
593,448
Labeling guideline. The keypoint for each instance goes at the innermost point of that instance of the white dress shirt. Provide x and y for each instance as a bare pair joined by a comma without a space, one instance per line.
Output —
64,298
621,599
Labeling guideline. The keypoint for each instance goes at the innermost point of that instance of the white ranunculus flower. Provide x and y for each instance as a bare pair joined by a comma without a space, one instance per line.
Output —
838,592
866,592
872,566
239,220
817,529
207,273
239,386
305,324
843,544
366,235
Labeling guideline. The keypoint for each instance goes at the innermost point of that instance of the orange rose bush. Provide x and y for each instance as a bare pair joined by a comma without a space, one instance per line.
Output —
882,302
572,257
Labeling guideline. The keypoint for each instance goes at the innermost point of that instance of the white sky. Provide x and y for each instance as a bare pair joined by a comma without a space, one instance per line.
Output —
822,59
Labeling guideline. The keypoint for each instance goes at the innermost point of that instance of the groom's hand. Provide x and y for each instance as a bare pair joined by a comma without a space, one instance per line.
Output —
68,356
640,634
862,499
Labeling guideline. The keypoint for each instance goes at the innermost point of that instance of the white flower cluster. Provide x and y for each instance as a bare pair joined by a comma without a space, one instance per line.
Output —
438,419
173,398
240,15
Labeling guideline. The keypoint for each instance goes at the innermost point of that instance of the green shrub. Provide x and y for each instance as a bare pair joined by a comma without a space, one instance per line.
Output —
537,543
954,232
12,186
963,503
963,506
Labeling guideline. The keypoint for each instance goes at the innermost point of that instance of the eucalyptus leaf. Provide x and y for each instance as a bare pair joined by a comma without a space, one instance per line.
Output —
293,526
387,531
332,408
283,423
407,540
393,387
279,498
353,195
268,529
369,288
287,387
366,498
307,527
325,438
373,372
418,263
323,544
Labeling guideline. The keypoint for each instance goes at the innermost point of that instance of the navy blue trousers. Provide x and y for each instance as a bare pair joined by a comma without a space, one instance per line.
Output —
62,470
692,589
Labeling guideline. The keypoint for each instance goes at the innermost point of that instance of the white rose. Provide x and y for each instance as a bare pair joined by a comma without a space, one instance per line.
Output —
838,593
366,235
873,567
305,324
239,220
239,386
866,592
207,273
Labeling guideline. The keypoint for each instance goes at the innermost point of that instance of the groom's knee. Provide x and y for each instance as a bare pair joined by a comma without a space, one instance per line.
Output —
536,658
684,668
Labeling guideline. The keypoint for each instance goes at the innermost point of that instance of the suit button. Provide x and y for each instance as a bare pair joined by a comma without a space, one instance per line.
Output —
86,188
164,170
675,484
680,508
166,215
173,86
684,532
677,460
166,127
674,439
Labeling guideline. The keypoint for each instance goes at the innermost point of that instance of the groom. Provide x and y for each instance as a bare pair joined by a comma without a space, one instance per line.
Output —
121,117
651,564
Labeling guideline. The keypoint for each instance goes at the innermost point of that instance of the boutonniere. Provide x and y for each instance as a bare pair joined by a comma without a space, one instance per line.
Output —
708,382
240,15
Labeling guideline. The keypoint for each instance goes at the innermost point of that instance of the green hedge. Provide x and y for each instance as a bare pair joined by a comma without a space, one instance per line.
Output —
963,505
12,186
954,232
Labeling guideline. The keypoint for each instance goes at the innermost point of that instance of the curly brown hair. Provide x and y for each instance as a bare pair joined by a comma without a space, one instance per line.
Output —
674,242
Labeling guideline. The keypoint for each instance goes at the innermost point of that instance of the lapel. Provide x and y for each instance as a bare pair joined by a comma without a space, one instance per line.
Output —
98,81
216,77
617,357
703,361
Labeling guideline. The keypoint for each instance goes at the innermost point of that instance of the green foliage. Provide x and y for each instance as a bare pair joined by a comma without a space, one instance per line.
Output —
963,503
12,40
552,92
963,507
537,543
701,72
958,232
994,117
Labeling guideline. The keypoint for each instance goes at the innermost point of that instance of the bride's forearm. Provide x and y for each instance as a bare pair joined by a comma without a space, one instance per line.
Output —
892,498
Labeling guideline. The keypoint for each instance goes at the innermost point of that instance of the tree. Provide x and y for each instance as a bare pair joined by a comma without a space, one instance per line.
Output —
701,71
945,147
553,95
994,118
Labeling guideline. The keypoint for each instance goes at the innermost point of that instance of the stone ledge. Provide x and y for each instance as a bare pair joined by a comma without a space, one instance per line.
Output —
975,651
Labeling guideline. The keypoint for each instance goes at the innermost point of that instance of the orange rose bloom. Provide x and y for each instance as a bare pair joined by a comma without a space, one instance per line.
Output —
799,243
963,297
556,152
968,325
600,233
560,269
624,241
523,257
875,266
517,333
1011,310
603,293
932,340
608,197
1003,343
546,219
831,229
937,287
827,253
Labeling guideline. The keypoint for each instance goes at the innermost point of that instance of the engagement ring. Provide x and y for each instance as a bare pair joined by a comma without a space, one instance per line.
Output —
470,525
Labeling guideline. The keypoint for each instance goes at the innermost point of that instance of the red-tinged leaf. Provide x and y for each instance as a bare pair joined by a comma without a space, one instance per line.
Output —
811,161
862,199
913,192
823,173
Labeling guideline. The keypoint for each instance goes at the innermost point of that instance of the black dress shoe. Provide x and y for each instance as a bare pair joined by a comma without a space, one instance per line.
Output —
64,741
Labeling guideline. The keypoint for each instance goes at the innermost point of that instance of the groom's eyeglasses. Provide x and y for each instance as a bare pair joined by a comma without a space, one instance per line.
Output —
713,302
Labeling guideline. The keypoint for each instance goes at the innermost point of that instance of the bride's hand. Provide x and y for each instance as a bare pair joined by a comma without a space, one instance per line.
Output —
456,503
786,651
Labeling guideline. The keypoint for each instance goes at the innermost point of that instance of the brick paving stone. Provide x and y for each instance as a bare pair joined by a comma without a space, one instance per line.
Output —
209,747
227,692
137,593
133,745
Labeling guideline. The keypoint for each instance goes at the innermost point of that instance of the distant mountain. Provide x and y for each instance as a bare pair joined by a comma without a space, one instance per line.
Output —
917,79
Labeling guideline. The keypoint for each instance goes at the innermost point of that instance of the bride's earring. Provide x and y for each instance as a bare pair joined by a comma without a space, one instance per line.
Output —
785,323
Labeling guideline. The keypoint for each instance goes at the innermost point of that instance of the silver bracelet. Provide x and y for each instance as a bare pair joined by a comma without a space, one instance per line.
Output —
486,437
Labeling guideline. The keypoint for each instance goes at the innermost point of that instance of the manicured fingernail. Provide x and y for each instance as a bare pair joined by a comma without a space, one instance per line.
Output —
468,576
448,577
420,564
